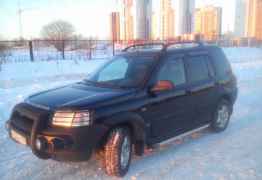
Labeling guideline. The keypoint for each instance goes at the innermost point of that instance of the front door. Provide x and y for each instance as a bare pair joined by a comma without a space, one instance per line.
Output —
169,111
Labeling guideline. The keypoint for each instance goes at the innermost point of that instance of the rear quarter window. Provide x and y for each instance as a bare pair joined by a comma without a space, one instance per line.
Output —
197,69
221,64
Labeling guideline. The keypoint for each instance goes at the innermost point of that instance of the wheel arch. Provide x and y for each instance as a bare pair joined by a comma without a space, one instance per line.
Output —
227,98
133,121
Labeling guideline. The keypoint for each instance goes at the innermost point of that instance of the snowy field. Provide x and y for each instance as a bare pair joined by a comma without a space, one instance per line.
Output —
234,154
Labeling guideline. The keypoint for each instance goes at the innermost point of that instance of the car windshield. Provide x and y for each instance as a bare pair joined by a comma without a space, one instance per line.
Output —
122,72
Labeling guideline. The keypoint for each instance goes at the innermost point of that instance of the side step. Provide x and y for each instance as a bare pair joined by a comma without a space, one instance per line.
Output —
185,134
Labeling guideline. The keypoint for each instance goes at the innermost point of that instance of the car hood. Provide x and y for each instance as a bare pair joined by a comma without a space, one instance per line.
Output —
78,95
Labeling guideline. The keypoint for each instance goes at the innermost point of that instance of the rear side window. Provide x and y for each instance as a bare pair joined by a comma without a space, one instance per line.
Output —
197,69
221,63
174,71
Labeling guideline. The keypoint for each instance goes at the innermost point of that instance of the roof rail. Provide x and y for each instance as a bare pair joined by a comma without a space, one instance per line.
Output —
164,46
144,46
183,44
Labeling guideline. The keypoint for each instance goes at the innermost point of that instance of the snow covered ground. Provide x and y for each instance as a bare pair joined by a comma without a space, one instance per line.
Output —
42,52
233,154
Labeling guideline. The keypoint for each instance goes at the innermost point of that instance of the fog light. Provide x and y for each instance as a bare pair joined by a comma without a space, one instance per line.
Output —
38,144
41,144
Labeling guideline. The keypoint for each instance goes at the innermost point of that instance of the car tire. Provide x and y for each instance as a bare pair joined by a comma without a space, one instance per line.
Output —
100,157
117,152
221,116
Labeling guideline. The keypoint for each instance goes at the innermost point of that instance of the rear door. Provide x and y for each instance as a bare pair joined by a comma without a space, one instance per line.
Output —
201,87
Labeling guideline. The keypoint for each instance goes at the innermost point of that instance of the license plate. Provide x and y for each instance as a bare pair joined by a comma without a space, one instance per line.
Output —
18,137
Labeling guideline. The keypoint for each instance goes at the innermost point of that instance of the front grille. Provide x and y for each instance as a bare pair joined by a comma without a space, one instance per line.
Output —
24,116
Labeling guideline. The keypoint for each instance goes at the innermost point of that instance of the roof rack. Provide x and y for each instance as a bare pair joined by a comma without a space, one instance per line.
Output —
164,46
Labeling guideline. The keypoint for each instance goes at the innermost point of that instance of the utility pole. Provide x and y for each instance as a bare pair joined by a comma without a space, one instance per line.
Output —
20,12
20,20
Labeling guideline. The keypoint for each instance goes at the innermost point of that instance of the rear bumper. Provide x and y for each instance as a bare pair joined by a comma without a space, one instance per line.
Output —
63,144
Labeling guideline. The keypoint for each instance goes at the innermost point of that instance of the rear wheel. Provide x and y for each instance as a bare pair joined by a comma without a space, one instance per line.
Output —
222,116
117,152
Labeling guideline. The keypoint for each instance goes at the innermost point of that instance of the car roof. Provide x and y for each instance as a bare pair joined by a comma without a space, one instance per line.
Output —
151,53
142,54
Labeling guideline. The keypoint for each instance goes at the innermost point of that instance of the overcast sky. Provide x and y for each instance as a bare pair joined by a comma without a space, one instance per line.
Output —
90,17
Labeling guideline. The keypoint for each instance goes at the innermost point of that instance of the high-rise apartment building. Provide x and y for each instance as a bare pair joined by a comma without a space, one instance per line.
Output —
115,26
155,26
143,19
184,17
254,19
208,22
126,20
167,20
240,16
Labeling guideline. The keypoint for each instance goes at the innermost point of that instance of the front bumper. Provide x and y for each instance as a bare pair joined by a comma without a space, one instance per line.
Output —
62,144
72,145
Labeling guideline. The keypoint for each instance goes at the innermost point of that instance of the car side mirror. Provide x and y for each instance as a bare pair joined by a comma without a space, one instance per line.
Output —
163,85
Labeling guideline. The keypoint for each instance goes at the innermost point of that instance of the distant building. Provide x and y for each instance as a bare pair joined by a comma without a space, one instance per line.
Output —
198,20
208,22
167,20
126,20
155,26
143,19
171,23
184,17
254,19
239,29
115,26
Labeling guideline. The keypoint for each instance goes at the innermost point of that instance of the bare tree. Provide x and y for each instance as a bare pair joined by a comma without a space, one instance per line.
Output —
57,32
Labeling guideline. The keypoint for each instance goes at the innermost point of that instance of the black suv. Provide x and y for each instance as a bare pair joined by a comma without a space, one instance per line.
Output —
147,94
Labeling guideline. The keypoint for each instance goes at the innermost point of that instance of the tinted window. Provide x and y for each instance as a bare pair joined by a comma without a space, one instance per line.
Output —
221,63
210,67
173,70
197,69
115,70
122,72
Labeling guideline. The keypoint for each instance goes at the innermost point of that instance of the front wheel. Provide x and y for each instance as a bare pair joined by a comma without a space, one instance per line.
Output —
221,116
117,151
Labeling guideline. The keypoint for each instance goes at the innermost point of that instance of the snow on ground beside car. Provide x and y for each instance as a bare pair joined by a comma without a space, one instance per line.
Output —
233,154
241,54
246,62
13,73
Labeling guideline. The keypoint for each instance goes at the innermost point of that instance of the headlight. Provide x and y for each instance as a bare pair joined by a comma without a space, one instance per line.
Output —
71,118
